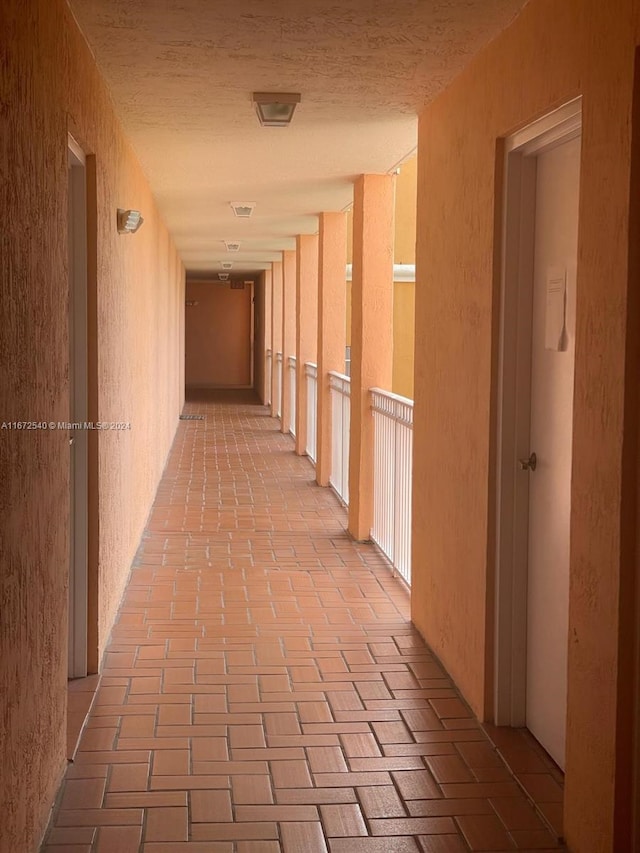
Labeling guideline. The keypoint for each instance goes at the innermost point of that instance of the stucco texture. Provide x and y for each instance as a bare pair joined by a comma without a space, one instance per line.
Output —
49,87
550,55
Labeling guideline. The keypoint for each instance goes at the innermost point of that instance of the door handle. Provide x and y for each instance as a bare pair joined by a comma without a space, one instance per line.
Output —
529,464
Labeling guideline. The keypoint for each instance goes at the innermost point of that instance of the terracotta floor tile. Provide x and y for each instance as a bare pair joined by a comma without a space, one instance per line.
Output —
119,839
128,777
99,817
187,847
251,790
170,762
72,835
83,794
264,668
343,821
485,832
449,768
315,796
145,799
167,824
234,831
412,826
442,844
374,845
210,806
297,837
416,784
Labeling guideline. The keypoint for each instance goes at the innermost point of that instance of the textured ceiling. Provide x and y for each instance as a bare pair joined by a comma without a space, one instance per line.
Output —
181,73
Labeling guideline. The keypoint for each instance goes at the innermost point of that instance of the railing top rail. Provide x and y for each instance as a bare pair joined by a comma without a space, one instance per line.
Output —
392,406
407,401
311,369
340,382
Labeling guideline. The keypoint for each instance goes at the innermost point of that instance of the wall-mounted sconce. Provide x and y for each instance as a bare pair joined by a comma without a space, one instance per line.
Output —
129,221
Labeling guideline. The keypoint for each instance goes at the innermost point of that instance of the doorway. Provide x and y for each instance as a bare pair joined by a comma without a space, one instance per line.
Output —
219,334
78,413
535,425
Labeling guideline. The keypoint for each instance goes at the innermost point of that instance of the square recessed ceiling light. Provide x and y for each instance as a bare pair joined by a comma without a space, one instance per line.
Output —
242,209
275,109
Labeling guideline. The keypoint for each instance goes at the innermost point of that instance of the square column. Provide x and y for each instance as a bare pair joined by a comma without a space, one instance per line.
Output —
306,326
371,333
332,307
276,335
288,331
265,391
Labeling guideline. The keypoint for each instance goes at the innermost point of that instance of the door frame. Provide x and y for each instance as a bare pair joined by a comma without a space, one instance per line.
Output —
513,403
78,411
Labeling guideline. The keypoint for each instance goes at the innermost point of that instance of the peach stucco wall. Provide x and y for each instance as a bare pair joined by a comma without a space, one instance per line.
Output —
217,335
551,54
49,86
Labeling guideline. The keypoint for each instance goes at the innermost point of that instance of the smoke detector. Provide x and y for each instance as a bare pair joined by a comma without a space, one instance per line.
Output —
226,265
232,246
223,276
242,209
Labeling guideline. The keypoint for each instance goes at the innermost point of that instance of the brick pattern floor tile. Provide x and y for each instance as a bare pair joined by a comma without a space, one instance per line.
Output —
264,690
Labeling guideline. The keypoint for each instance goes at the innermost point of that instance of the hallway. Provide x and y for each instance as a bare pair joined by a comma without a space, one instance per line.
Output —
264,691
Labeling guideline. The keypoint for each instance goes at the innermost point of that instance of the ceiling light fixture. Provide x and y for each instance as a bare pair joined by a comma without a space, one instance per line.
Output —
232,246
226,265
223,276
242,209
275,109
128,221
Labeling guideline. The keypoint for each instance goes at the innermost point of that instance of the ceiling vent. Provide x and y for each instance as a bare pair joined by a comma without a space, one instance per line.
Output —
223,276
226,265
242,209
231,246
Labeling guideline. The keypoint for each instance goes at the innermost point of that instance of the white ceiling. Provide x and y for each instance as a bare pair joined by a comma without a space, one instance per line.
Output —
181,73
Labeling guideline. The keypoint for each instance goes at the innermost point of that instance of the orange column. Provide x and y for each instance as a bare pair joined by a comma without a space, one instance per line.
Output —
371,334
306,326
265,391
332,306
288,331
276,331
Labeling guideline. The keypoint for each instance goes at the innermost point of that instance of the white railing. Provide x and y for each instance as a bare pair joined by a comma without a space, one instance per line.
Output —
340,388
392,469
293,392
311,373
278,384
268,368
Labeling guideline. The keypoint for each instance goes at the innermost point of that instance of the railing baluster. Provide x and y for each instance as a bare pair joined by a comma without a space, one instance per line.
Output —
311,373
268,378
393,455
340,391
293,392
279,384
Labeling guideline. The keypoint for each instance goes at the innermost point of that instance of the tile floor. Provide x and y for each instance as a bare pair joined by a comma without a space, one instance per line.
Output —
264,690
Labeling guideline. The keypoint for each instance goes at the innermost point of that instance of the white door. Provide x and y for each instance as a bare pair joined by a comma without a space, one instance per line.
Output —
552,372
78,444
